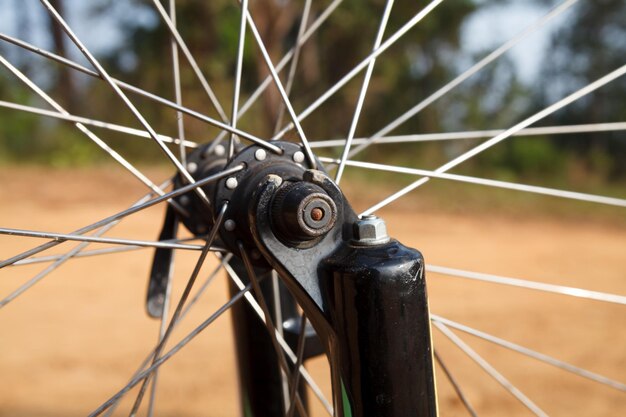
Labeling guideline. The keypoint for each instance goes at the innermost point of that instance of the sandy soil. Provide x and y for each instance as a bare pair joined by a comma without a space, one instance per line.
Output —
77,336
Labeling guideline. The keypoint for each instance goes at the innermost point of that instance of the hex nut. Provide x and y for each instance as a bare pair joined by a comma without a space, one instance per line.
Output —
370,230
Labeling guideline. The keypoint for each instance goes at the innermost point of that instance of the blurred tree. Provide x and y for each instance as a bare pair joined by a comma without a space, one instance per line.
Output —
64,84
591,44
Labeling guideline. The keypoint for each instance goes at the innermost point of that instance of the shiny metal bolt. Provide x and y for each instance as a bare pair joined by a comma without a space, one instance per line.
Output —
219,150
298,157
260,154
192,167
230,225
231,183
370,230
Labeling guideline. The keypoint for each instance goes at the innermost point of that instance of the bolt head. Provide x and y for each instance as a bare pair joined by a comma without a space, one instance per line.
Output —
231,183
184,200
230,225
298,157
192,167
370,230
219,150
260,154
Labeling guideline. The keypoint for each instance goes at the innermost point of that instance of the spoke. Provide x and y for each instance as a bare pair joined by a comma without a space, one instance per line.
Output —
95,123
295,375
145,374
94,138
238,70
283,62
294,62
186,310
532,353
467,74
192,62
346,78
480,134
162,328
96,252
531,285
183,171
504,135
278,314
180,123
271,328
281,90
486,366
283,344
181,303
44,273
84,254
122,214
61,237
455,385
571,195
363,92
143,93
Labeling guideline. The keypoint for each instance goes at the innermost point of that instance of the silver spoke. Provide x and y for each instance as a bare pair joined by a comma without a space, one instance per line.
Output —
455,385
281,90
94,252
531,285
238,70
45,272
571,195
294,62
96,123
504,135
269,323
61,237
162,328
283,62
122,214
479,134
283,344
183,171
486,366
467,74
181,302
145,374
92,136
346,78
363,92
192,62
295,375
532,354
180,123
143,93
186,310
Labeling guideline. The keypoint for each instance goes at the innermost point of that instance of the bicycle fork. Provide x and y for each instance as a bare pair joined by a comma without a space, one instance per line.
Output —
364,293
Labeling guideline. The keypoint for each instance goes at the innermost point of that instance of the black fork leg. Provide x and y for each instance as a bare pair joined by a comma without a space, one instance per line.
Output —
381,353
260,381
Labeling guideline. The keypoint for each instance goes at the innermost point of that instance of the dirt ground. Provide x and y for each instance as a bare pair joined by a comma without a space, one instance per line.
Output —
77,336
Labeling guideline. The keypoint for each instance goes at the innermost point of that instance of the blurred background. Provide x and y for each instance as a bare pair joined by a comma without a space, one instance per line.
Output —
577,47
78,335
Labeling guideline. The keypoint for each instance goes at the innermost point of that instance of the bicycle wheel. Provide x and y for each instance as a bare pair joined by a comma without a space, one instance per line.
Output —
540,297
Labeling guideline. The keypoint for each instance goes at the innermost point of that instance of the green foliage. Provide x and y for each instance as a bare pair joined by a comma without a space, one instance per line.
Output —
428,57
